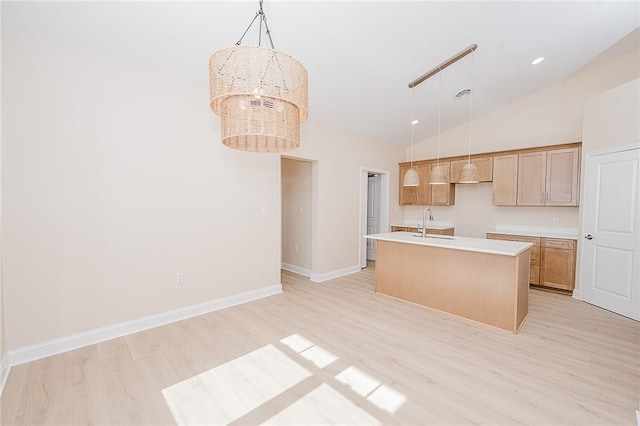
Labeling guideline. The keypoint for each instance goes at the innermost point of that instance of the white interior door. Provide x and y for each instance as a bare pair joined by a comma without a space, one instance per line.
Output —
609,260
373,213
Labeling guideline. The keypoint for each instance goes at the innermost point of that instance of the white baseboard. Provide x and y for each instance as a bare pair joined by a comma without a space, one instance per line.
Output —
296,269
318,278
75,341
5,367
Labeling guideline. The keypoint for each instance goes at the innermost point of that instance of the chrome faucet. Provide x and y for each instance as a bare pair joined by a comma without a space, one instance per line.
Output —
424,221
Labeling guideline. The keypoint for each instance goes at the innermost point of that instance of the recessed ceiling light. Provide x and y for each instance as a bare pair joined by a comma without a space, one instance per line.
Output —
537,61
415,122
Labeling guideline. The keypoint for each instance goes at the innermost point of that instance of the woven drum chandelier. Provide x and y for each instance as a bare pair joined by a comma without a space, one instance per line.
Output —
260,94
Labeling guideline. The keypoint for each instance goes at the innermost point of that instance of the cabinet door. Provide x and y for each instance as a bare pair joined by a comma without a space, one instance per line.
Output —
505,180
443,195
531,178
557,268
484,165
423,196
407,193
562,179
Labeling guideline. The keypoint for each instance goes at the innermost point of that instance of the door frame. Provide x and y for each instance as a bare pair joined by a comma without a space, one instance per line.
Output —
577,293
383,206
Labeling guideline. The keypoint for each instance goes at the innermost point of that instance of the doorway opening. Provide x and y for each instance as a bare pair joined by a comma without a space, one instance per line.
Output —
297,189
374,209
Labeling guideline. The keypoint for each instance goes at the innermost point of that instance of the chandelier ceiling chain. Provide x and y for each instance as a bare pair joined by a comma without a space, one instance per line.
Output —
263,18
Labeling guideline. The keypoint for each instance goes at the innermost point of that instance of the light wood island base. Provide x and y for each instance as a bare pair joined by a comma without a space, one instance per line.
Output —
488,288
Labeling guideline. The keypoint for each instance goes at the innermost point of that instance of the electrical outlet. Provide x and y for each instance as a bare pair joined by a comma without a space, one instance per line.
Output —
179,278
514,219
556,221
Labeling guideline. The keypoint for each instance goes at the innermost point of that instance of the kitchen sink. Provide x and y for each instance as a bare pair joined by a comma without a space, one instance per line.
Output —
438,237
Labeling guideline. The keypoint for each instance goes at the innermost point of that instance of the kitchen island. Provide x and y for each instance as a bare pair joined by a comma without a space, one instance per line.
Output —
482,280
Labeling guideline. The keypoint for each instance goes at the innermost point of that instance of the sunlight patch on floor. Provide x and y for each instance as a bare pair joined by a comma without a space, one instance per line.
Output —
248,383
324,405
382,396
231,390
309,351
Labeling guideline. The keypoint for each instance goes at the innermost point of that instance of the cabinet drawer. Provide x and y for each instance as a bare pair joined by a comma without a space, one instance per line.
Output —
558,243
398,229
533,240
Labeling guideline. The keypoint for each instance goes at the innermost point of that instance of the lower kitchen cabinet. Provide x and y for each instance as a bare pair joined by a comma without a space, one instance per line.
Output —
534,262
553,260
558,263
445,231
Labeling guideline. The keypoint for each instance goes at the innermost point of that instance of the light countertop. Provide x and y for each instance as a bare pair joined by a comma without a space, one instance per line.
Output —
506,248
536,231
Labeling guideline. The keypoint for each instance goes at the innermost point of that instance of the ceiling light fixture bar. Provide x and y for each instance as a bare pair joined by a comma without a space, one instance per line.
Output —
452,60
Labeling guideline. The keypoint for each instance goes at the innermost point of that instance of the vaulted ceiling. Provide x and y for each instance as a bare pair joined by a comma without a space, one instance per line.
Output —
360,55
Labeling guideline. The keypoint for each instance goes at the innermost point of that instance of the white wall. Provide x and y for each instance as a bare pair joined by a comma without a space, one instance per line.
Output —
114,179
612,118
338,158
552,116
296,214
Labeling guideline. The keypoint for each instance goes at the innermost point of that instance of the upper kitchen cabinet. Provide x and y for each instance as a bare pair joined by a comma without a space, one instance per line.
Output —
426,194
484,165
407,193
416,195
443,195
542,176
424,190
531,178
563,177
549,178
505,180
537,177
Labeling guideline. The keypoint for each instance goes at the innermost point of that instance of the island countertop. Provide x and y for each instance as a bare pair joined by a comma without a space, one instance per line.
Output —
481,245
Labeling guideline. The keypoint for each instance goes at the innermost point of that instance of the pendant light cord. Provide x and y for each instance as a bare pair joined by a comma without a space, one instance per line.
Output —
439,97
470,101
413,117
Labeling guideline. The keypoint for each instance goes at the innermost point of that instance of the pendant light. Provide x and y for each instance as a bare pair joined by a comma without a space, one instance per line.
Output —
260,94
469,173
411,178
438,173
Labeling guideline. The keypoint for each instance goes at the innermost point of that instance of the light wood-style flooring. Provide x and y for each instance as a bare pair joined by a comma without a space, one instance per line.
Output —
337,353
